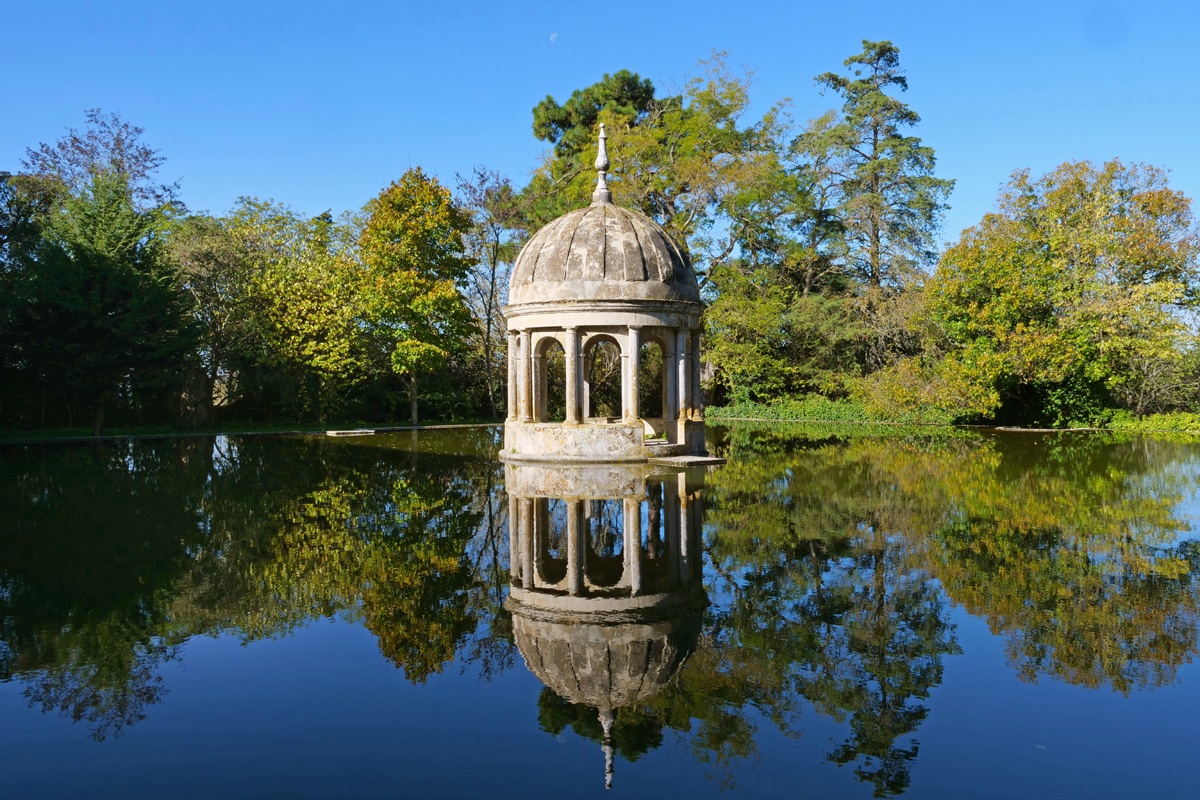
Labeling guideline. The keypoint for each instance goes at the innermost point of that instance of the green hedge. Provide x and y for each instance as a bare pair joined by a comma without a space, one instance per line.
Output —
815,408
1176,421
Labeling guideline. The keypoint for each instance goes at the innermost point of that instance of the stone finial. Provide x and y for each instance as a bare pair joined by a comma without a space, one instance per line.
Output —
607,717
602,194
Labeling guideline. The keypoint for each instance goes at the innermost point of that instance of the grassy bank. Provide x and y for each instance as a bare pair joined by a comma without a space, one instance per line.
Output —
815,408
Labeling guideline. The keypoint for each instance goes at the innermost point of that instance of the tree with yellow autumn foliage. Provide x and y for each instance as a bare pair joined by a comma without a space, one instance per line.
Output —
1067,300
412,248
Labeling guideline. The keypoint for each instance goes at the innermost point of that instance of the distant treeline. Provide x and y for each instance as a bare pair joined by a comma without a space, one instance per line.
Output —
815,244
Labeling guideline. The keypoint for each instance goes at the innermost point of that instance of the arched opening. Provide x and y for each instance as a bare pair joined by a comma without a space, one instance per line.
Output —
550,550
602,375
651,381
604,553
552,382
657,540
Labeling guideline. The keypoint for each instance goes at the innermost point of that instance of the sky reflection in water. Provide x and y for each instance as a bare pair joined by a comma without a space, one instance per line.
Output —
916,614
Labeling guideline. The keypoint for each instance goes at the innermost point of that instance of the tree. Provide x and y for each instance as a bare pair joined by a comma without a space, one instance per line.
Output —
304,305
98,310
1059,302
687,161
108,144
89,311
495,237
215,271
891,204
412,247
571,128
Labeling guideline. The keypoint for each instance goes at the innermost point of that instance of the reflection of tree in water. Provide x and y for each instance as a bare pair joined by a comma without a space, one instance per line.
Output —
882,633
1073,551
116,556
843,624
418,574
824,548
634,733
606,520
95,538
821,559
107,693
1068,615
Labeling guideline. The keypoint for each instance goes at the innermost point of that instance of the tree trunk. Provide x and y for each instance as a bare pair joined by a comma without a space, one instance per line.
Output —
98,419
210,391
490,370
412,397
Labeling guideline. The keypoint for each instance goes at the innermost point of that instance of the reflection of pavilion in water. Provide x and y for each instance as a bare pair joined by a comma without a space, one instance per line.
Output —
606,590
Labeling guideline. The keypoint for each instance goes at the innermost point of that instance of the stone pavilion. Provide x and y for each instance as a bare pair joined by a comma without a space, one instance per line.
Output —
603,289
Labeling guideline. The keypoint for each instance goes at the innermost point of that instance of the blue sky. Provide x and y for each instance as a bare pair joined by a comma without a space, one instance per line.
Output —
320,105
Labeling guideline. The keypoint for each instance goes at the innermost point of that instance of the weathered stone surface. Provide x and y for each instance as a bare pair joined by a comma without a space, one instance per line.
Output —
605,666
602,252
602,276
614,442
571,481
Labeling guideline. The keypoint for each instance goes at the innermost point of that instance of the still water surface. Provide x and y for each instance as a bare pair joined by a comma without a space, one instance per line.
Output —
831,614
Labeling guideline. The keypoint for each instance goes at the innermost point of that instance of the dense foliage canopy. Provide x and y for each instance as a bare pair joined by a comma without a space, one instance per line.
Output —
815,245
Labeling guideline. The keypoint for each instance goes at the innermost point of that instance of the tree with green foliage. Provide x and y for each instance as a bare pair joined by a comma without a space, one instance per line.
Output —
890,202
571,128
1067,298
98,313
498,230
412,249
215,272
767,339
689,162
301,310
91,317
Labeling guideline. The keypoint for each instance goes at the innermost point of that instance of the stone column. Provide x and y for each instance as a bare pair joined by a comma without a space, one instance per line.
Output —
633,543
575,551
670,383
671,503
697,392
514,541
685,532
526,401
539,389
682,373
585,396
633,343
526,536
572,375
511,401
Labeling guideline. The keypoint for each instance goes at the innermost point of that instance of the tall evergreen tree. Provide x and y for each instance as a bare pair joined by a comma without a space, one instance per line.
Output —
891,203
97,309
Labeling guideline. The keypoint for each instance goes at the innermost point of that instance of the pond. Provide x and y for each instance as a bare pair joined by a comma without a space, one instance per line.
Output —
834,612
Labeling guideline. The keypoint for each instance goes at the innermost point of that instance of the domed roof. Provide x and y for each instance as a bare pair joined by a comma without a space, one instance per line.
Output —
605,666
602,252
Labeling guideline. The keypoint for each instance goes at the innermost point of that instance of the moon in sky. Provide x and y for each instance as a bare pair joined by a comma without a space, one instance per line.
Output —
554,37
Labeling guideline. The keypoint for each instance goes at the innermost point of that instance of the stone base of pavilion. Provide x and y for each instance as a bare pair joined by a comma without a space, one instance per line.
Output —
596,608
623,442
